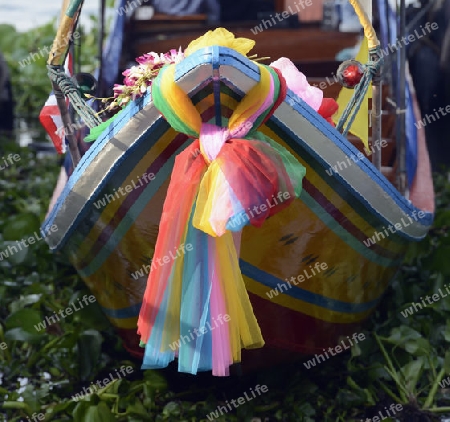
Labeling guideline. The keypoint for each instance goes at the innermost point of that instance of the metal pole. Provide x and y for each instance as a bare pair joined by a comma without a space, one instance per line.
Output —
401,104
376,116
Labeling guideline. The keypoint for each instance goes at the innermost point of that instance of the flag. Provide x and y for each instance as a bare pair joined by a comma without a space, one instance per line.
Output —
50,116
360,126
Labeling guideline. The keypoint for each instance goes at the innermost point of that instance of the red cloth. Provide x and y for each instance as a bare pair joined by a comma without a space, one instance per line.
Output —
327,109
50,116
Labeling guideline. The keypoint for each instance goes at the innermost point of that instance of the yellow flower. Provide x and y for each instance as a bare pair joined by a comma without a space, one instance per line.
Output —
222,37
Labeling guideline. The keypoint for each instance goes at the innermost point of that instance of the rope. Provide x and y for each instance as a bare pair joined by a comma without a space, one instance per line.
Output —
68,88
364,20
352,108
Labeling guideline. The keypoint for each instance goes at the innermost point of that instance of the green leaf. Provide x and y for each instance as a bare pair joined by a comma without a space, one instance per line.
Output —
446,332
352,384
447,362
64,406
21,226
307,409
104,414
91,315
399,335
67,341
412,372
113,387
25,301
80,413
155,381
96,131
137,408
89,349
14,253
356,350
171,409
440,261
26,319
418,347
442,218
19,334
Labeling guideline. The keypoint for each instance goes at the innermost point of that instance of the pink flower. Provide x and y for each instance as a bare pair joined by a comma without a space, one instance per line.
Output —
118,89
149,59
139,78
175,56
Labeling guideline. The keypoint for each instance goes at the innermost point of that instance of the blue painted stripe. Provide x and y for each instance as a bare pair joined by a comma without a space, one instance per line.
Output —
306,296
216,85
130,312
272,282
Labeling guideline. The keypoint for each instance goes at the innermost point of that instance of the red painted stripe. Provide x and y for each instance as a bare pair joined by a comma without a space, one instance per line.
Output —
342,220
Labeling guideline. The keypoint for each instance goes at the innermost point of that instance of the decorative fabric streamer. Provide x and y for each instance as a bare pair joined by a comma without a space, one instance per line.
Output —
196,307
311,95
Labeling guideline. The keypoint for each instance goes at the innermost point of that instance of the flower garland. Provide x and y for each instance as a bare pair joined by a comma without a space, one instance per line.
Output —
138,78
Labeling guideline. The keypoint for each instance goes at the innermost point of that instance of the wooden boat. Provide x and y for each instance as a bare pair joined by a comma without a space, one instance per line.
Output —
109,212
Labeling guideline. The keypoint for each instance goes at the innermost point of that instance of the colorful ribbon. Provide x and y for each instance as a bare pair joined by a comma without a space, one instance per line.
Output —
196,307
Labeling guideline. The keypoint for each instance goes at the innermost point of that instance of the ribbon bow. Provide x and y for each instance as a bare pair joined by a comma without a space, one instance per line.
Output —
196,307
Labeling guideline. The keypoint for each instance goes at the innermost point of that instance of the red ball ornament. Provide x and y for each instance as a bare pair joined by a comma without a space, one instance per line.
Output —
350,73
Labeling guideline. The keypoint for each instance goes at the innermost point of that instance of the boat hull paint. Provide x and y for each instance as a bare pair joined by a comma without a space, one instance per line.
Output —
321,236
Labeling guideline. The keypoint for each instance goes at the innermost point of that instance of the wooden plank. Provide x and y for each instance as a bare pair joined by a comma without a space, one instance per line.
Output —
303,44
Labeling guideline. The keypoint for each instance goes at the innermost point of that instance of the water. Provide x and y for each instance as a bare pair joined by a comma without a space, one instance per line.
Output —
27,14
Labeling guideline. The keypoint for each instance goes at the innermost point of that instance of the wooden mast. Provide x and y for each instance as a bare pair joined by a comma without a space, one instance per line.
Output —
57,57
